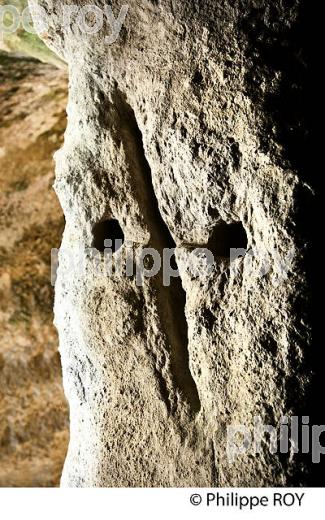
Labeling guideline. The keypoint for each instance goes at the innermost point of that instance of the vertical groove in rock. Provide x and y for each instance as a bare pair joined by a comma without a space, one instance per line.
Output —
171,300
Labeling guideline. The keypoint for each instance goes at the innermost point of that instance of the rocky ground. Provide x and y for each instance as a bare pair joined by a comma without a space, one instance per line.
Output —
33,410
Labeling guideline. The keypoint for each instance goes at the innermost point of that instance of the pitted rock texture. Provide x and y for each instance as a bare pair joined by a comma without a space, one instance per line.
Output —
187,131
33,409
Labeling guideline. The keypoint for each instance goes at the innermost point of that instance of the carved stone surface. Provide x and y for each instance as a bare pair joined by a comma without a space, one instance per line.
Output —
188,130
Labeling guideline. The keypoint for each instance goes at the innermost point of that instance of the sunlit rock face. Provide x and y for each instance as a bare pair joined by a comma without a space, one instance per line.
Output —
187,131
33,409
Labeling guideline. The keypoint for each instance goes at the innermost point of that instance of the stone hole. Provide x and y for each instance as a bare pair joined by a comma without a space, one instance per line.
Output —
108,234
226,237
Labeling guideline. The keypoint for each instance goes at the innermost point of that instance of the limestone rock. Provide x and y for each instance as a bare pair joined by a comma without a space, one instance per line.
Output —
33,410
188,130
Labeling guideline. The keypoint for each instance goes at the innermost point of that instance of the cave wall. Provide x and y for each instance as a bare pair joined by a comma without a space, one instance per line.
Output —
188,130
34,428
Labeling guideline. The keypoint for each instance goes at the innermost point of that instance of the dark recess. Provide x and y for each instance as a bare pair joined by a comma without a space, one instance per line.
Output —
108,230
225,237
